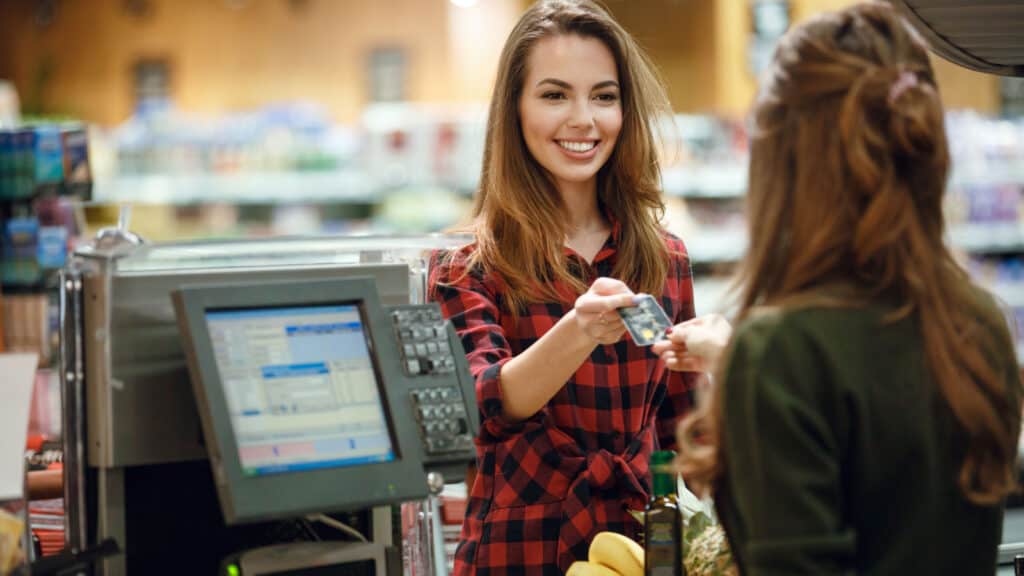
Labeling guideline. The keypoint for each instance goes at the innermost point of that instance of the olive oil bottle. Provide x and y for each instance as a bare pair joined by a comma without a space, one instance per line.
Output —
663,521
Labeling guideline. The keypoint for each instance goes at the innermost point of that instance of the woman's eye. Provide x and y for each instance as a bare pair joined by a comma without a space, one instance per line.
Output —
607,97
553,95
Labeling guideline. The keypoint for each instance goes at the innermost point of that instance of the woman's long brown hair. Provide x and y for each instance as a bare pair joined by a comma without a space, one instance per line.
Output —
519,220
848,166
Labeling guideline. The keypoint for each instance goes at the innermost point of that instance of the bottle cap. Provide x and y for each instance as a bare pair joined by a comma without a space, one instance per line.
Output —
663,473
662,457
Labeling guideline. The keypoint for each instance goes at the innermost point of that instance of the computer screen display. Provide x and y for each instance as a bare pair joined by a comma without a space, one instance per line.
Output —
301,387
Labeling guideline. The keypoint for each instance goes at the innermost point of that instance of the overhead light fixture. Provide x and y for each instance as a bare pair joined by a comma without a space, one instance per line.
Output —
464,3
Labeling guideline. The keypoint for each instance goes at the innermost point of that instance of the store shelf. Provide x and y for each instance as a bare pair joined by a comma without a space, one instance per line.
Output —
711,181
1008,293
709,246
988,237
711,294
240,188
975,176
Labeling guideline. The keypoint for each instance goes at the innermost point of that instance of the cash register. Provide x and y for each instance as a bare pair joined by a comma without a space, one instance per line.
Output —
314,397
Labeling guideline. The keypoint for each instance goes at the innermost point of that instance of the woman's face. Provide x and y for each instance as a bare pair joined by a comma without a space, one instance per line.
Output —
570,110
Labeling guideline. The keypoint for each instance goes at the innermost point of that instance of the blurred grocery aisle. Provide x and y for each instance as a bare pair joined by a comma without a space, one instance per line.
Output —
241,118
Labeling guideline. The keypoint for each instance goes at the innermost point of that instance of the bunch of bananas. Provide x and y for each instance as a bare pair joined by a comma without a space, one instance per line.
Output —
11,554
610,554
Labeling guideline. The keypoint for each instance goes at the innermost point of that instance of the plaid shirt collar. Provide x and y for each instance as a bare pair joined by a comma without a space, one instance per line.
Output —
610,246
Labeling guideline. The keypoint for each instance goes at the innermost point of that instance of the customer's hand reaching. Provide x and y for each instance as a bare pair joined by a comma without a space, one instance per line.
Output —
596,310
695,345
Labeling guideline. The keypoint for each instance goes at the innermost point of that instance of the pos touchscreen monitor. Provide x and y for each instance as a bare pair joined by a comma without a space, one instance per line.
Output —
297,386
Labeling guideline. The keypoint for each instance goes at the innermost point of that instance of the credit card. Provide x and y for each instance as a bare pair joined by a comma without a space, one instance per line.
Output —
646,322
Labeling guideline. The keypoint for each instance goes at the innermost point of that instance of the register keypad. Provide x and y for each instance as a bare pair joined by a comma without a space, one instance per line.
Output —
441,414
427,353
424,340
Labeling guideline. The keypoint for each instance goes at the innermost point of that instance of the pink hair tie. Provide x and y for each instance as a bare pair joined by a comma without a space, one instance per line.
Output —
903,82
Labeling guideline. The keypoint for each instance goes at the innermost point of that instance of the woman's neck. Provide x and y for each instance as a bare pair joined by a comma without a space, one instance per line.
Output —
587,228
584,214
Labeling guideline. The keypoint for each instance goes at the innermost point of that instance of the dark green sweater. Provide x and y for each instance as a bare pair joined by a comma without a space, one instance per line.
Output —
841,456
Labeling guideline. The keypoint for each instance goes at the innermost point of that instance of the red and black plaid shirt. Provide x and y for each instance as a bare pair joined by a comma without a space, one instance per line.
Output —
546,485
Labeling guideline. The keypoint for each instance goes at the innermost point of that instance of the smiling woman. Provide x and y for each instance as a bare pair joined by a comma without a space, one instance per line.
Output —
571,113
566,231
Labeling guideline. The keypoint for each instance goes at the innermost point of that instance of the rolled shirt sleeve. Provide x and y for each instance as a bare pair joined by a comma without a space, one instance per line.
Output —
469,303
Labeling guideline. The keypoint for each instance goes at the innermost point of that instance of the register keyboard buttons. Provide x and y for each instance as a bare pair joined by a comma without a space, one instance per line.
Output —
441,415
424,339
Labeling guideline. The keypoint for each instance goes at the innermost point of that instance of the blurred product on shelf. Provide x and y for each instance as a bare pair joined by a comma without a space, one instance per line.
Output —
1000,270
283,153
983,204
20,246
704,156
415,558
1003,275
44,172
704,177
46,519
77,173
289,153
45,156
26,324
46,159
985,149
408,144
44,422
10,108
421,209
35,237
292,137
453,510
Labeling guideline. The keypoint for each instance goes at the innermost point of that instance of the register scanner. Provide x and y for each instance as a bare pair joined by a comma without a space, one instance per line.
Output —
313,397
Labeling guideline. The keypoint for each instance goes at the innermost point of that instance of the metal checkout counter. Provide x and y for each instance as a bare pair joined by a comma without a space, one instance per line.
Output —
290,377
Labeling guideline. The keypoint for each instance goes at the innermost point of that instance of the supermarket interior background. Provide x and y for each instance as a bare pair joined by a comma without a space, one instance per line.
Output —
241,118
257,118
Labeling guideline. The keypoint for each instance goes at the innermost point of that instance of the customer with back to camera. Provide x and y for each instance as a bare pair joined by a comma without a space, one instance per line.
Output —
868,417
566,230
